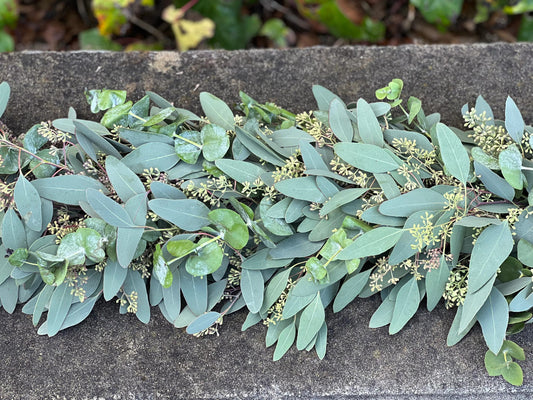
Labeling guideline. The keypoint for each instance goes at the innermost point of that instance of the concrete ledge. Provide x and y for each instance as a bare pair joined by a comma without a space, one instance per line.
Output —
445,77
110,356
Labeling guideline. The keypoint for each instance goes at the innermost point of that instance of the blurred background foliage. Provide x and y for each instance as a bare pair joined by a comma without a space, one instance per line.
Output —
239,24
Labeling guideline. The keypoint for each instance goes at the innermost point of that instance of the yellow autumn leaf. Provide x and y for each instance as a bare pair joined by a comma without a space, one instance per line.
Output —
188,33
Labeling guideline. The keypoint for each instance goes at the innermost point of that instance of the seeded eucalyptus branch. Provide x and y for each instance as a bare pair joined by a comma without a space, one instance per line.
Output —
279,213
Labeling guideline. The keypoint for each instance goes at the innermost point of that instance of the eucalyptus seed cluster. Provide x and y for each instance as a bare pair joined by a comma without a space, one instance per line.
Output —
492,138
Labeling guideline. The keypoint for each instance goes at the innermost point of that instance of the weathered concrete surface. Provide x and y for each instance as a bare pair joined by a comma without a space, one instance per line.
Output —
444,77
110,356
116,357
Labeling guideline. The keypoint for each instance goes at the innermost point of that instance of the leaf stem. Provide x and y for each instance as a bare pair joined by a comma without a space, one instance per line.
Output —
136,116
196,248
188,141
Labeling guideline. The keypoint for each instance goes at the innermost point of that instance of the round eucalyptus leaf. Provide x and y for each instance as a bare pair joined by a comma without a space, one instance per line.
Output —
188,146
207,260
215,142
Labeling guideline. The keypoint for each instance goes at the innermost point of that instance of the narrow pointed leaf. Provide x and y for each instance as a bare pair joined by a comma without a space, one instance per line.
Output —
311,321
514,123
371,243
369,128
367,157
59,305
217,111
203,322
453,153
252,286
125,182
493,318
407,302
28,203
492,248
339,121
114,277
285,341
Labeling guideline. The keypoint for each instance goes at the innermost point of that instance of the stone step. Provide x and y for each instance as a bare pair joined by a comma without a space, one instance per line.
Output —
112,356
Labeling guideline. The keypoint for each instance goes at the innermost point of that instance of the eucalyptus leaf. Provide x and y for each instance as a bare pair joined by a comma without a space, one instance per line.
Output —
510,160
371,243
125,182
215,142
303,188
339,121
410,202
114,277
368,125
252,286
187,214
453,153
58,309
407,302
203,322
217,111
194,289
492,248
67,189
367,157
311,321
285,341
514,123
493,318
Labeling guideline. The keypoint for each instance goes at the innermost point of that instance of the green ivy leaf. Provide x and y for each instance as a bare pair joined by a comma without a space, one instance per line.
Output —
180,248
74,247
513,374
317,270
414,105
115,114
231,226
207,260
18,257
159,117
161,270
101,100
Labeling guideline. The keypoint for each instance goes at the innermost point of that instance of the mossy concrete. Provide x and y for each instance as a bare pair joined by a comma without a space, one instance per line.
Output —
112,356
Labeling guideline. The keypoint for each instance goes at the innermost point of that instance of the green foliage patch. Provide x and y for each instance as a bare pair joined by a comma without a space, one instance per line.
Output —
279,214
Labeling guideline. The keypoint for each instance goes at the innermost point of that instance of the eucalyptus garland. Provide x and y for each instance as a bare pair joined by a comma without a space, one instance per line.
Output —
278,213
